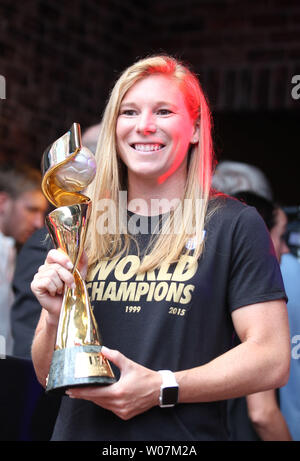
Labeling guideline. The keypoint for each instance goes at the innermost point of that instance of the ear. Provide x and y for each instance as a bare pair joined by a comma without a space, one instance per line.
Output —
196,133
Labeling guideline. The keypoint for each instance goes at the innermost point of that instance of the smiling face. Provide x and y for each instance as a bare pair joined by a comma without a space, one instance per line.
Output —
154,129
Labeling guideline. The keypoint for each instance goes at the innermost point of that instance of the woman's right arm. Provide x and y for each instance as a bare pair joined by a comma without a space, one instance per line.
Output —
48,286
43,347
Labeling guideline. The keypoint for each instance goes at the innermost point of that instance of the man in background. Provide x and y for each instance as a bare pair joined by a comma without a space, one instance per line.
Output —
236,178
22,212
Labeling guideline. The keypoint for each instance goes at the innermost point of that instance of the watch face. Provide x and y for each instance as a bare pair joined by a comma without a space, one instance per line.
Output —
170,395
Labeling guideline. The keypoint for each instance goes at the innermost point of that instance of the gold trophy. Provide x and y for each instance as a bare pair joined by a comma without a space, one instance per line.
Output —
67,169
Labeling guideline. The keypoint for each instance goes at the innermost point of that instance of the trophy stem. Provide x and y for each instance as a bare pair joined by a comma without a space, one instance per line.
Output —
77,358
77,325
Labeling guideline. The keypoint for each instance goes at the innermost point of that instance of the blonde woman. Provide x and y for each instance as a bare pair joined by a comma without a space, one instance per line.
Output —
172,271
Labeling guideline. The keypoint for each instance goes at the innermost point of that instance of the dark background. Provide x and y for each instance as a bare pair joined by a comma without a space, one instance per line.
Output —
60,59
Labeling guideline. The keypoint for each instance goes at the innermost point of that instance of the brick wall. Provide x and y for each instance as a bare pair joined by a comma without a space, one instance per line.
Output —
59,58
246,51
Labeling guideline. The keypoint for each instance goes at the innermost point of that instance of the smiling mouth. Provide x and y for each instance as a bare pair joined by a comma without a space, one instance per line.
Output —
147,147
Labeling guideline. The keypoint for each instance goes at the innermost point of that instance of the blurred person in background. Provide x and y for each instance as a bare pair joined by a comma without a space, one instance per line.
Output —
22,203
263,407
22,212
231,177
272,420
289,394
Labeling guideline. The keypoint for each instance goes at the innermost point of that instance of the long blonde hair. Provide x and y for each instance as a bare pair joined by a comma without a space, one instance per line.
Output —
111,177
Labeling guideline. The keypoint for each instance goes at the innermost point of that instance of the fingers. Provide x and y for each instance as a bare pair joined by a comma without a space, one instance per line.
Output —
57,267
135,392
53,275
59,257
114,356
90,393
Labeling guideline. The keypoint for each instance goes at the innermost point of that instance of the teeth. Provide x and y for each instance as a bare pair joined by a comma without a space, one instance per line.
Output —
147,147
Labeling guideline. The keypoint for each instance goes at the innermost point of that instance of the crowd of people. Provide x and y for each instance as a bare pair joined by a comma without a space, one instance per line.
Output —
214,308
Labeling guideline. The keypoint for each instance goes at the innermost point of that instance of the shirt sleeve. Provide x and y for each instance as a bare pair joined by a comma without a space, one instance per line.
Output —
255,274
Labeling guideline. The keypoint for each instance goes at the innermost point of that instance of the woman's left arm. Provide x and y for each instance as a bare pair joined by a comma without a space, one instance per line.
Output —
259,363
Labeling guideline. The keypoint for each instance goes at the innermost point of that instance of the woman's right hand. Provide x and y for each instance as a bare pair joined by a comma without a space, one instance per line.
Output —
48,283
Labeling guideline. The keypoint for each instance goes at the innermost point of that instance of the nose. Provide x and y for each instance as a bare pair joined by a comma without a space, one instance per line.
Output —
146,123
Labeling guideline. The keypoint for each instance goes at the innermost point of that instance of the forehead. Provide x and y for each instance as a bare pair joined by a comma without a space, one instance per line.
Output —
34,198
153,87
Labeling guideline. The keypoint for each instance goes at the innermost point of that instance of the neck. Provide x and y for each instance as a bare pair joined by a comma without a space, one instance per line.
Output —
150,197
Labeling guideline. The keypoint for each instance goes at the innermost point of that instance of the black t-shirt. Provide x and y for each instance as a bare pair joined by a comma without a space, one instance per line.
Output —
177,317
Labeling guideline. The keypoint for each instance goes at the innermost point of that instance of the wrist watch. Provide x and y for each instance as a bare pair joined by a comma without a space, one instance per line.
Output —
168,396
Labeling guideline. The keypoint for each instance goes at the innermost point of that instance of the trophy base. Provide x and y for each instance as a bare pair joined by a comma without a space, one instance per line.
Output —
78,366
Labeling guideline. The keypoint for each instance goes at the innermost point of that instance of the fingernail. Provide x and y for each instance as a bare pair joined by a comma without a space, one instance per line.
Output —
69,265
104,349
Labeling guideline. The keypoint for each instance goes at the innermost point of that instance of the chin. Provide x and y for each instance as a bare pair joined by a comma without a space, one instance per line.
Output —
148,173
23,238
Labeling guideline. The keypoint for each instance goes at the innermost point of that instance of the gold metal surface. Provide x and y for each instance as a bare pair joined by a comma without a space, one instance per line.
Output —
77,325
89,365
67,227
68,168
63,179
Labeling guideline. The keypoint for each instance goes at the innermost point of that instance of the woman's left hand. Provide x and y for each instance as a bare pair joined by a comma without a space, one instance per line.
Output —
135,392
